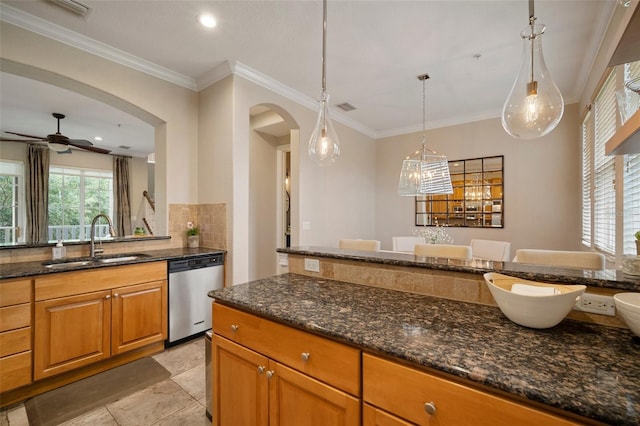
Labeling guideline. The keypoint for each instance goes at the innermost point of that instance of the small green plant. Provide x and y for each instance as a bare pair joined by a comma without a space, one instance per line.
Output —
638,235
192,229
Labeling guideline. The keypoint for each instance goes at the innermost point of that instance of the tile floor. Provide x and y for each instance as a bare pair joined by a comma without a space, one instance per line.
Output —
179,400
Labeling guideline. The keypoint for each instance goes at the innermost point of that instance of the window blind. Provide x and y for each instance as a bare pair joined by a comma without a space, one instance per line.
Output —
631,192
604,214
587,166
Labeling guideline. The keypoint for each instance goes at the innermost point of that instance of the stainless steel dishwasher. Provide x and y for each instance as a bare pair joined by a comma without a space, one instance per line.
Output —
190,279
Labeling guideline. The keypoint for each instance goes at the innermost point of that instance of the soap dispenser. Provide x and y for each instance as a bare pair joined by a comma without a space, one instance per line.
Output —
59,251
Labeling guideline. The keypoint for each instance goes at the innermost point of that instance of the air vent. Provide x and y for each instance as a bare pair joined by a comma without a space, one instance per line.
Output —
73,6
124,147
346,106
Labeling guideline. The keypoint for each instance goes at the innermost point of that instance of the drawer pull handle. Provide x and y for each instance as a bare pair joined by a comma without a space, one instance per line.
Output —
261,369
305,356
430,408
234,328
270,374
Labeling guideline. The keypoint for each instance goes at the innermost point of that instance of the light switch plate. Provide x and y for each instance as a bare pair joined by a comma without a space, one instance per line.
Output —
312,265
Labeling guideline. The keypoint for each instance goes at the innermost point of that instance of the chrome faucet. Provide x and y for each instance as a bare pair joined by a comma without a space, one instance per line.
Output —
112,232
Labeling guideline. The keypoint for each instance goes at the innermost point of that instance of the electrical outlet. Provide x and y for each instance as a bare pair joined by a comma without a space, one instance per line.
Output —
312,265
596,304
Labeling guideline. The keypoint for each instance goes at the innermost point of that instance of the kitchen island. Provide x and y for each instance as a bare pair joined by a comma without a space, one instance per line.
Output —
580,369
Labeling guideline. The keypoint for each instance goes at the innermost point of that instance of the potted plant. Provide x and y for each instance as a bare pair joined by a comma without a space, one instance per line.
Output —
637,234
193,235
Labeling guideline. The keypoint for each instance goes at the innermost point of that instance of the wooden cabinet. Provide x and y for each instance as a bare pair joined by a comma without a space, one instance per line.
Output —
266,373
15,333
427,399
88,316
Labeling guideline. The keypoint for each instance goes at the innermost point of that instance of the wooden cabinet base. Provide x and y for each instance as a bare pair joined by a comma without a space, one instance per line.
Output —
45,385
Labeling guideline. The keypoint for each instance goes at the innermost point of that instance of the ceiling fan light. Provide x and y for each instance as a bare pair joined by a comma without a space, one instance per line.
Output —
58,147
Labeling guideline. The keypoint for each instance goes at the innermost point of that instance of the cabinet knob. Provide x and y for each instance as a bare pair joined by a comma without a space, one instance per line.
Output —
305,356
261,369
270,374
234,327
115,295
108,296
430,408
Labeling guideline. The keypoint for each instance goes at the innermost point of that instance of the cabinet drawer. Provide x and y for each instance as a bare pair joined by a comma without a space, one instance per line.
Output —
64,284
13,292
404,391
15,371
328,361
16,316
14,341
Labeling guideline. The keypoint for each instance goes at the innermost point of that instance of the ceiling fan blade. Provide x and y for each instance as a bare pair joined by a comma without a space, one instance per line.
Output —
80,142
27,136
91,148
21,140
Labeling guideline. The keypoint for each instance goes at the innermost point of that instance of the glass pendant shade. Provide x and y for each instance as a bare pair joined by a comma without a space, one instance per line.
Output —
534,106
324,146
424,173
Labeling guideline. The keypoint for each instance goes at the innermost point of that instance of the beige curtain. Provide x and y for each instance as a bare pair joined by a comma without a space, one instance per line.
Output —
37,193
122,195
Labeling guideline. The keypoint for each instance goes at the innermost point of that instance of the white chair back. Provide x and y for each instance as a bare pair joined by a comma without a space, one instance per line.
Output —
491,250
443,250
406,244
361,245
569,259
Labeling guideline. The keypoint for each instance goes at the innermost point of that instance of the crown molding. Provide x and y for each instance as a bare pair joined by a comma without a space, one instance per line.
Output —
47,29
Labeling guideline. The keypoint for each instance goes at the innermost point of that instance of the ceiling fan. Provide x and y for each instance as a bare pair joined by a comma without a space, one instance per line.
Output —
57,141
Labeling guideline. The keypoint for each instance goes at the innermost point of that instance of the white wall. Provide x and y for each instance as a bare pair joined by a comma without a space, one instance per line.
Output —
337,202
170,108
542,184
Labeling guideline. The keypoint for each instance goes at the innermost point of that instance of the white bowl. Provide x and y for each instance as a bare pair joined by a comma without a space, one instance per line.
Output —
628,306
534,311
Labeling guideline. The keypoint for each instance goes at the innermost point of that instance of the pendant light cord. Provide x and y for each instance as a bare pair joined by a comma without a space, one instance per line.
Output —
532,20
324,47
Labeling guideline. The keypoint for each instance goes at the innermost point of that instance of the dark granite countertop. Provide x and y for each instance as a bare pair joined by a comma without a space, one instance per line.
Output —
26,269
583,368
609,278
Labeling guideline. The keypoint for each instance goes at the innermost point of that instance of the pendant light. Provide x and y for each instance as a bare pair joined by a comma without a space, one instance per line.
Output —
324,147
425,172
534,106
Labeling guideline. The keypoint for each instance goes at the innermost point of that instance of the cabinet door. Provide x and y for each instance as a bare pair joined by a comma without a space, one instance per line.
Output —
296,399
139,316
371,416
240,386
71,332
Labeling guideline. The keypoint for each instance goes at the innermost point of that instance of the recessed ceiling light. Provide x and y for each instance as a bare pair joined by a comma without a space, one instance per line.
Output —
207,20
97,138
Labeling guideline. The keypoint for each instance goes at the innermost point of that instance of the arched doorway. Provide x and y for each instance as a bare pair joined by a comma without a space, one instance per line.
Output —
271,188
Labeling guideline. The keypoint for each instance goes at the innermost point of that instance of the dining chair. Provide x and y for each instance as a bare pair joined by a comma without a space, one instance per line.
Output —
361,245
406,244
569,259
491,250
443,250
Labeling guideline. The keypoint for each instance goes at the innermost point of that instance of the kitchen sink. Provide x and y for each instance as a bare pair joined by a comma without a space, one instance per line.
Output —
116,258
83,261
66,264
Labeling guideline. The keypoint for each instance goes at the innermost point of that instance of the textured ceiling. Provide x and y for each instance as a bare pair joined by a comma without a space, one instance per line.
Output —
375,50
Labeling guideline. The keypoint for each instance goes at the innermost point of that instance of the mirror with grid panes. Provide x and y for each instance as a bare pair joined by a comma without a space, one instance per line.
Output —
477,199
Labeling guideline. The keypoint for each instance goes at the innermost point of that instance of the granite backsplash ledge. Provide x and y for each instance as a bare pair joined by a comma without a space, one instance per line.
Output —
470,341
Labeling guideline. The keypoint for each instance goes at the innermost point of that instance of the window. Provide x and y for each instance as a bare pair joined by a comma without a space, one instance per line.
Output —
477,198
601,221
75,197
12,212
